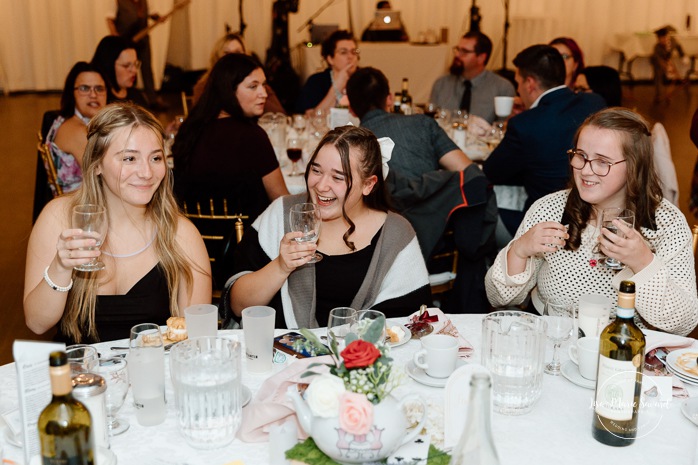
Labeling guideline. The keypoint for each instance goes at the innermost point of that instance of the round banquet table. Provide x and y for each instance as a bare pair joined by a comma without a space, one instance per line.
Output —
557,430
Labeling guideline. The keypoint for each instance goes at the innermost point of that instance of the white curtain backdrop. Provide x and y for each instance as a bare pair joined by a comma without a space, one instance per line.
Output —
41,39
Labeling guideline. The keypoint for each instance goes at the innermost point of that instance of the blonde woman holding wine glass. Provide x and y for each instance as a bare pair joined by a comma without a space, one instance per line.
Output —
370,255
554,250
155,262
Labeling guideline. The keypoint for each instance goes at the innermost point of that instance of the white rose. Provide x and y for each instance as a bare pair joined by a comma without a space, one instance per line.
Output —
323,395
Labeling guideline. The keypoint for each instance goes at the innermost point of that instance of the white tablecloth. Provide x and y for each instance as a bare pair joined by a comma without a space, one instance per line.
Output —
421,64
557,430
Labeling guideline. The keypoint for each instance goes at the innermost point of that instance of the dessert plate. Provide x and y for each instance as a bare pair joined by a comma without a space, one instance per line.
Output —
570,370
683,362
421,376
405,338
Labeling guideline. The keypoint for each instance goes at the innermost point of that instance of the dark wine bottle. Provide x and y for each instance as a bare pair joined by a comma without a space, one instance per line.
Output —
619,378
405,98
65,424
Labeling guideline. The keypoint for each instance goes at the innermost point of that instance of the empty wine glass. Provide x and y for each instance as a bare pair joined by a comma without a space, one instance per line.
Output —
560,319
294,150
305,217
364,318
339,324
431,109
299,122
82,358
607,217
92,219
115,373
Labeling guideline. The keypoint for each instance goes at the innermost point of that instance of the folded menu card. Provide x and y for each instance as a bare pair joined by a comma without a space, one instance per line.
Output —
33,388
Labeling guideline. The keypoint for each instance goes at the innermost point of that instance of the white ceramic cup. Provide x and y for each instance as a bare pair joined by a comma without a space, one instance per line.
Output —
438,355
202,320
585,353
503,106
594,313
258,328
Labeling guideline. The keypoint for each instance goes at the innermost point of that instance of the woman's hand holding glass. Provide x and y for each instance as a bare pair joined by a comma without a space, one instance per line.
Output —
293,254
545,237
626,247
74,248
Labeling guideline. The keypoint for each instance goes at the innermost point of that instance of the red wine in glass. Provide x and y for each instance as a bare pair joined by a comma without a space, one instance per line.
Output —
294,154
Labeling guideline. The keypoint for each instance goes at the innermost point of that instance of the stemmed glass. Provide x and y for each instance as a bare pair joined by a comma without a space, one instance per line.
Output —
364,318
92,219
339,324
607,217
115,372
560,319
299,122
305,217
294,150
82,358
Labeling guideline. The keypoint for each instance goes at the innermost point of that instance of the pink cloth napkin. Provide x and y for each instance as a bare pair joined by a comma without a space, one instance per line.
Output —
444,325
657,339
271,406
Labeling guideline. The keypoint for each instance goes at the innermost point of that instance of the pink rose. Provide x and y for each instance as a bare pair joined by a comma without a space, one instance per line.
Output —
355,413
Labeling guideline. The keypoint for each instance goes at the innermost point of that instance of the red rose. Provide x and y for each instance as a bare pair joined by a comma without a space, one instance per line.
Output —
360,354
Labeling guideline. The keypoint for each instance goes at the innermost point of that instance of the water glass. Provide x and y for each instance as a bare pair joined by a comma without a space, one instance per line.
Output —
306,218
625,216
114,370
560,319
202,320
258,328
513,350
339,324
82,358
146,369
92,220
206,378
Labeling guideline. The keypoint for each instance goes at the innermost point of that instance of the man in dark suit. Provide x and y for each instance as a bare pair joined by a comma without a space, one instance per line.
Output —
533,151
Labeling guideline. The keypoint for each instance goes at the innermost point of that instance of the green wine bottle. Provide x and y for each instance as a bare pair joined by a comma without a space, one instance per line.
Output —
619,378
65,424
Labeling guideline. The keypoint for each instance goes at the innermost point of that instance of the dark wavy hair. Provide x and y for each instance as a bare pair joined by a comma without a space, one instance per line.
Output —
106,54
605,81
577,54
330,44
643,190
219,95
365,143
68,95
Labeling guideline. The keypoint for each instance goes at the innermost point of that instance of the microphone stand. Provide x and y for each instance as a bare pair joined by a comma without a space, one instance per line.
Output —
309,22
504,72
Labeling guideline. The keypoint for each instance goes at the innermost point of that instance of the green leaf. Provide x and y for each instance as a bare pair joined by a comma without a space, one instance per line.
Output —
349,338
311,337
308,452
374,330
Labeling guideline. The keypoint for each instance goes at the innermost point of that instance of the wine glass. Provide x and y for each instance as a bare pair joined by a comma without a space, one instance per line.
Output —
560,319
115,372
294,150
82,358
607,217
339,324
365,318
92,219
305,217
299,122
431,109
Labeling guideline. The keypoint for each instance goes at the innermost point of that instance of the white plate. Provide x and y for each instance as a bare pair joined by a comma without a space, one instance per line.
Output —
405,339
570,370
689,408
246,395
421,376
682,377
672,361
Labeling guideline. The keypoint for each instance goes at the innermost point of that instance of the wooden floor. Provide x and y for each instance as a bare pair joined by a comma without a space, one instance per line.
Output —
20,117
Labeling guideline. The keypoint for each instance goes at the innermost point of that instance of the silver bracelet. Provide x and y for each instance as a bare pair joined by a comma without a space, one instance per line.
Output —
55,286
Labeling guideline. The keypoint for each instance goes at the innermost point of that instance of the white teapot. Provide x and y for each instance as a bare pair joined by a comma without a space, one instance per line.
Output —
387,433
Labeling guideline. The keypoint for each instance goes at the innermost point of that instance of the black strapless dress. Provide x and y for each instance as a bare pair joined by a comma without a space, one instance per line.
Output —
148,301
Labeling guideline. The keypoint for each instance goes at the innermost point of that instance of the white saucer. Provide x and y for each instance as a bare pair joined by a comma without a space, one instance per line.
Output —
246,395
570,370
689,408
421,376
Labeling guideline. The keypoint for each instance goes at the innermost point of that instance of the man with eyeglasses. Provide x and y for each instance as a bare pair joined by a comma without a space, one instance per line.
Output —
533,151
469,86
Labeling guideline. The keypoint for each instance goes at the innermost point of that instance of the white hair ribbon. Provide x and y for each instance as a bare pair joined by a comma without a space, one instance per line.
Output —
386,145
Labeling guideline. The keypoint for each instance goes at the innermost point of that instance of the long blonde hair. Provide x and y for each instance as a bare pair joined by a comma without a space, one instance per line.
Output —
79,317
